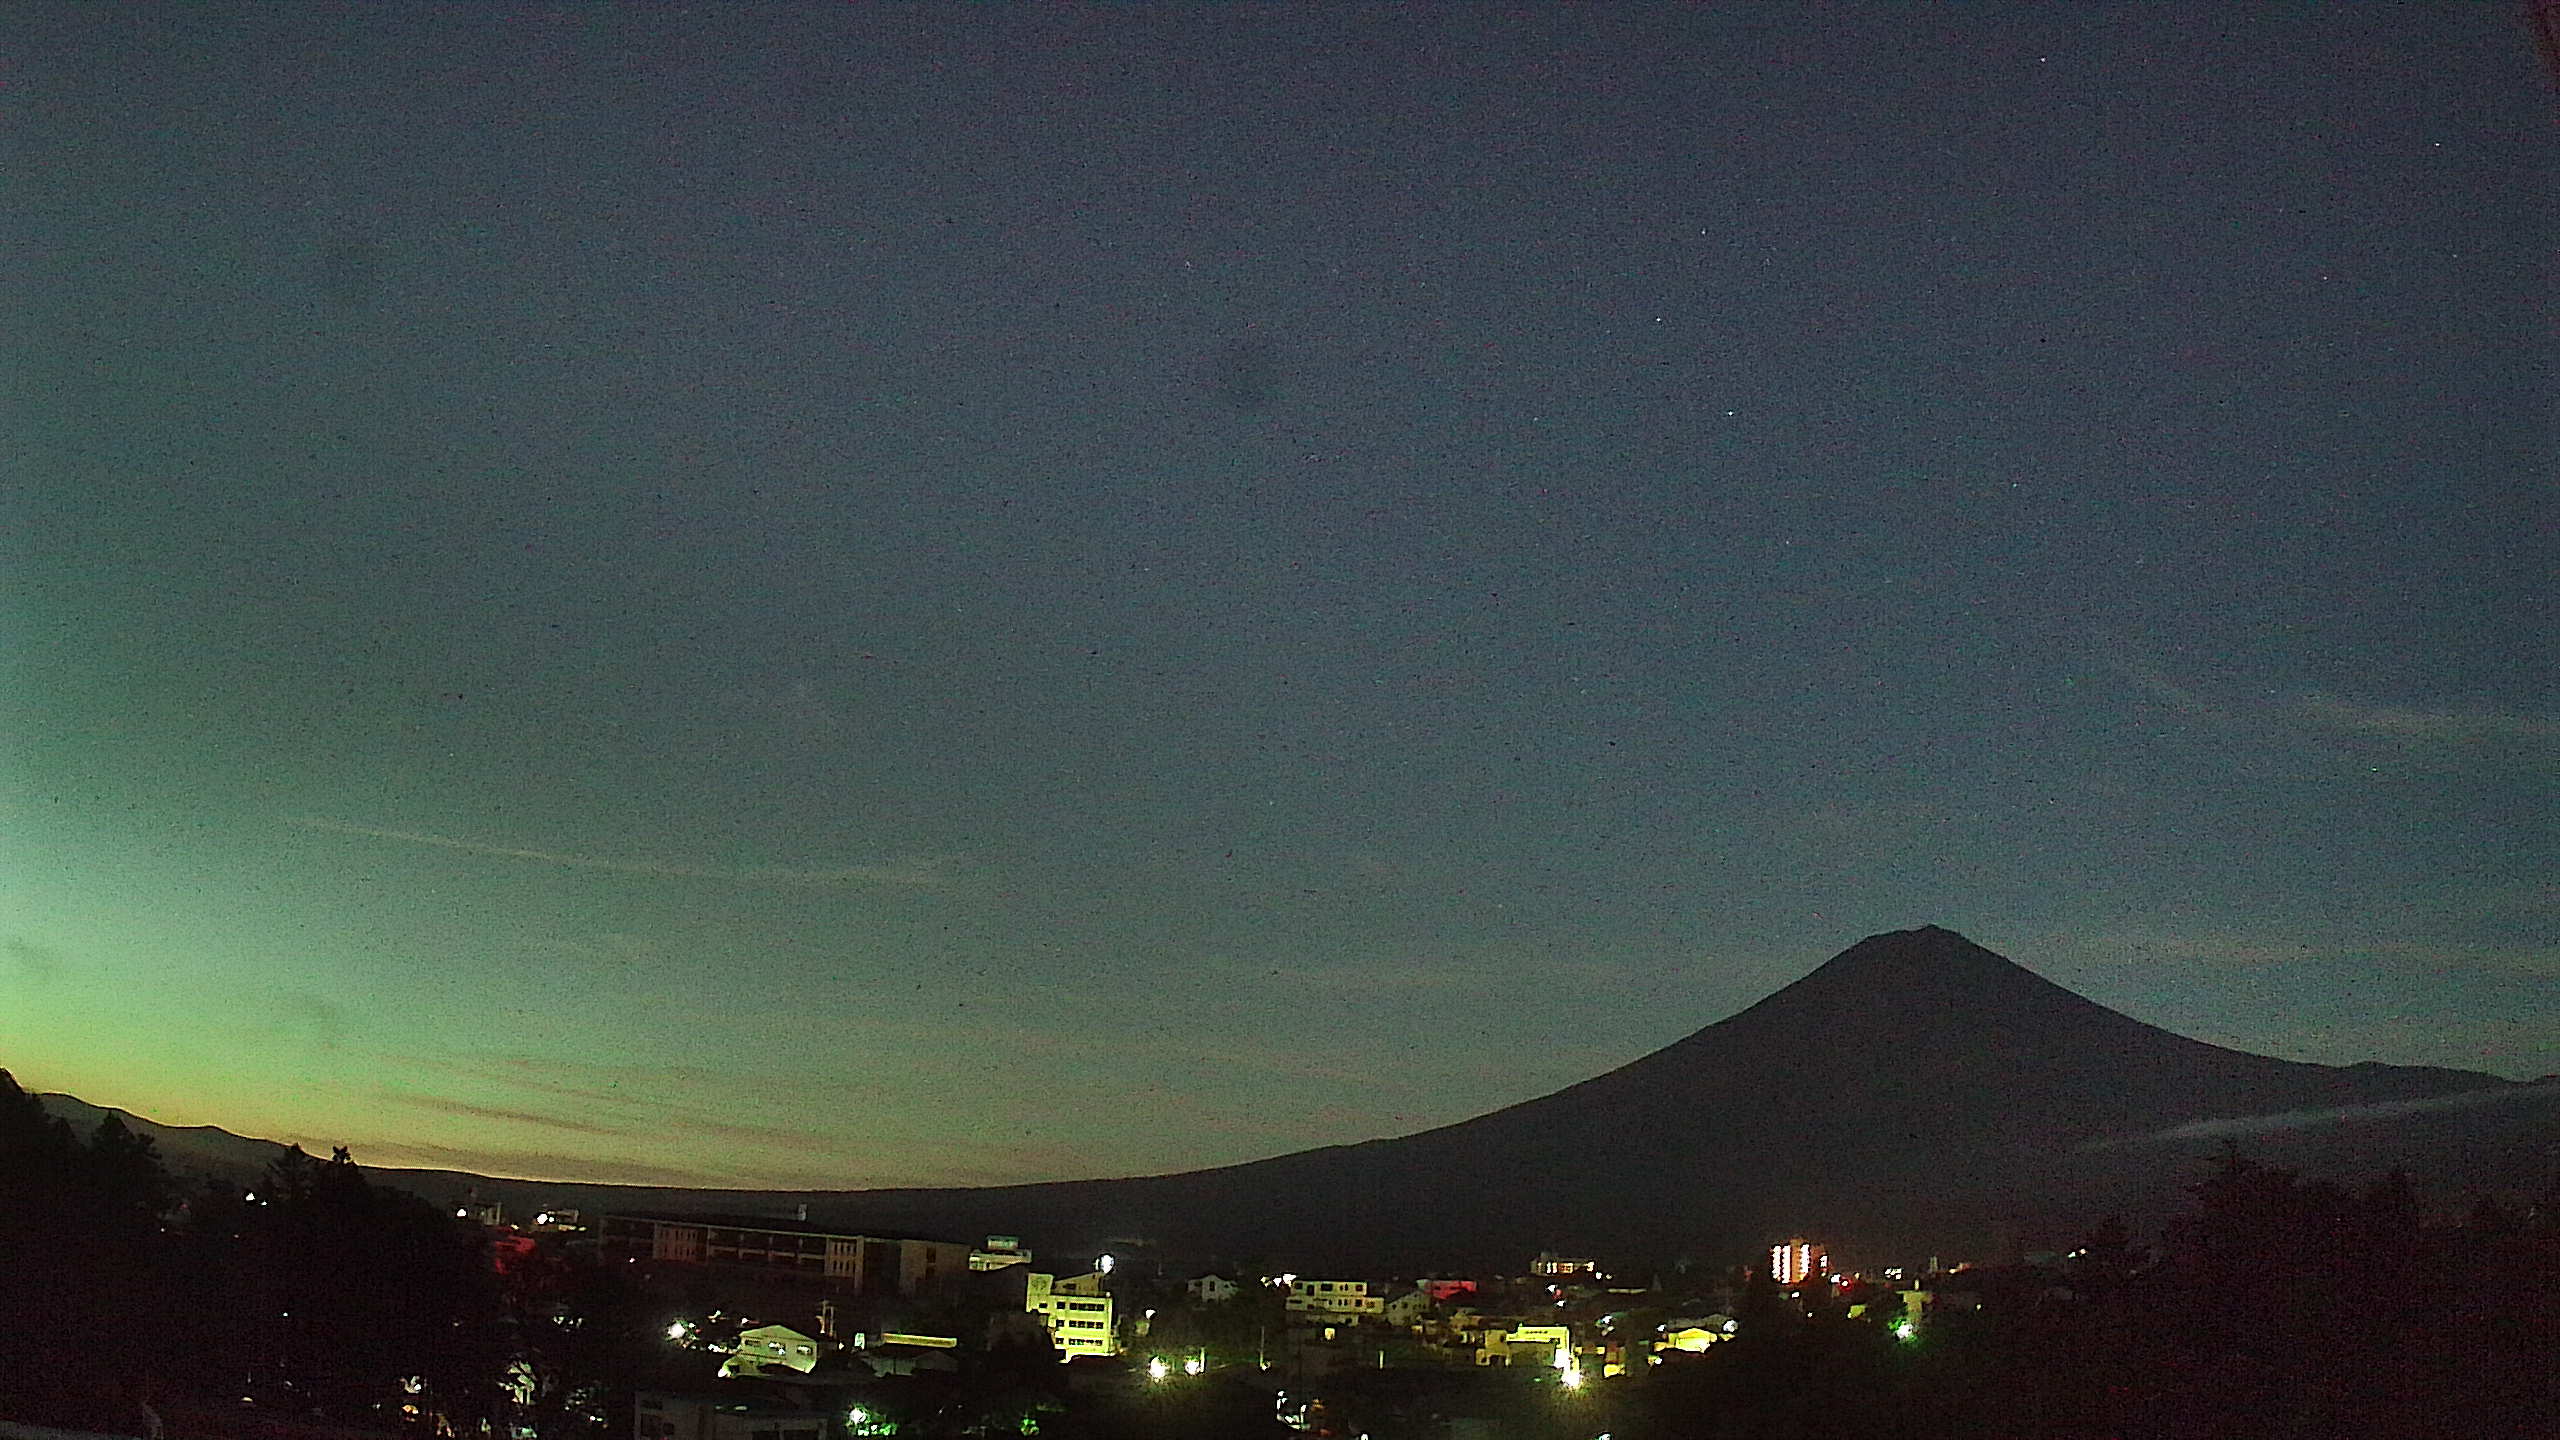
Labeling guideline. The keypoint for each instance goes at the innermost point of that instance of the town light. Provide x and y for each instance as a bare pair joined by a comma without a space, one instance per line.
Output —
1104,1264
1194,1365
1905,1330
1157,1369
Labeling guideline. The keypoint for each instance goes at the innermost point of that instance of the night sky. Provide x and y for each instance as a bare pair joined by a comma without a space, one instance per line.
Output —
844,596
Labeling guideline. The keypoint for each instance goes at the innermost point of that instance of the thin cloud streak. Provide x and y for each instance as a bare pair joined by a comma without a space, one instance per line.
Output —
2272,944
2335,715
2329,1115
544,1166
918,871
2441,726
2154,681
468,1110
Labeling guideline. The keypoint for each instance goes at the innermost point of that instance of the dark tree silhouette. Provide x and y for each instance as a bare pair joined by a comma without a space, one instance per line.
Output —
83,1269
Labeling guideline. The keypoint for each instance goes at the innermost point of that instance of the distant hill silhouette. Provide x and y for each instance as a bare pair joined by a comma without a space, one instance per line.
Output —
199,1150
1917,1094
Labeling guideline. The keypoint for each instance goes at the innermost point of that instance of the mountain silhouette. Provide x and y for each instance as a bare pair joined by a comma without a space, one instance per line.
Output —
1915,1095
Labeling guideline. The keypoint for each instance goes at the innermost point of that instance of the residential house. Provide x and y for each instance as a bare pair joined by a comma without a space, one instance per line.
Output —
1407,1309
769,1348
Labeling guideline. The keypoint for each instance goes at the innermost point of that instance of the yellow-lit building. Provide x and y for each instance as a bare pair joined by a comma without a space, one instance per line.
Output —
1077,1311
1691,1336
1526,1345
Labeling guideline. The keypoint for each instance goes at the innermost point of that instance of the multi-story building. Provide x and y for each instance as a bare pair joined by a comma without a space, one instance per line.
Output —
1077,1311
1551,1266
1211,1289
1333,1301
771,1249
1797,1261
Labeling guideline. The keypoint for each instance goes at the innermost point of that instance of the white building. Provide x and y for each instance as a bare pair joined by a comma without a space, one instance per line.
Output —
1212,1289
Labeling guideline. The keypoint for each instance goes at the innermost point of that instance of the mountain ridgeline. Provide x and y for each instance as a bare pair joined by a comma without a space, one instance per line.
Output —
1916,1095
